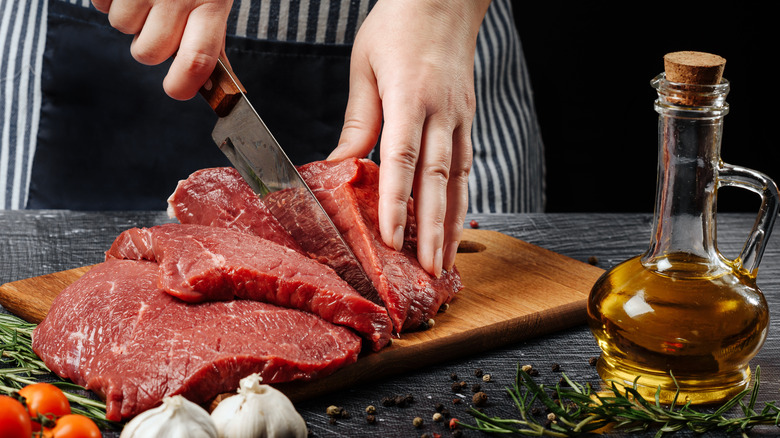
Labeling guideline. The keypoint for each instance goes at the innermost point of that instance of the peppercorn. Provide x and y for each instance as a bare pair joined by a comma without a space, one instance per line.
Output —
445,412
454,424
417,422
593,361
527,368
439,407
388,401
370,410
438,417
453,376
457,433
334,411
455,386
457,401
400,401
486,378
370,419
593,260
534,372
474,224
478,372
479,399
551,416
536,411
556,367
476,387
425,435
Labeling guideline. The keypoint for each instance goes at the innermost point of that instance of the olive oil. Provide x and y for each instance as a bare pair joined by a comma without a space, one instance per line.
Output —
701,327
681,321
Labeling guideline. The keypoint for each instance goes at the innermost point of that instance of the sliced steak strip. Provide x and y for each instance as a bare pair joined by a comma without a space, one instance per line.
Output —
219,197
348,190
116,333
200,263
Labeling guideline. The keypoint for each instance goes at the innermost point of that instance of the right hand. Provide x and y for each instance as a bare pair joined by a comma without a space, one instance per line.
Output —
193,30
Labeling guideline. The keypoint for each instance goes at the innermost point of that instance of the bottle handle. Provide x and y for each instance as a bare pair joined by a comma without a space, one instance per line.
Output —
757,182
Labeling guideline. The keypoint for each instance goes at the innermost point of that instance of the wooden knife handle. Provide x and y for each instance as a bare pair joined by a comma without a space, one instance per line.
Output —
223,89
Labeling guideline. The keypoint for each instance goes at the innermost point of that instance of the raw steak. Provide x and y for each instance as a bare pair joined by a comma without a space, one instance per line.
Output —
116,333
348,190
219,197
201,263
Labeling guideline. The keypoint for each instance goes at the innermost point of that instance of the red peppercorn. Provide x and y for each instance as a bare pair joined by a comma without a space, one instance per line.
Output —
454,423
474,224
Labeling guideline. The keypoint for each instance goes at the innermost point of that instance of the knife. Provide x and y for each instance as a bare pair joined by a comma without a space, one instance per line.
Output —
246,141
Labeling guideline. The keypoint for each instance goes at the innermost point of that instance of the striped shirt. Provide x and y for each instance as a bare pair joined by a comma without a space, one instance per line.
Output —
508,170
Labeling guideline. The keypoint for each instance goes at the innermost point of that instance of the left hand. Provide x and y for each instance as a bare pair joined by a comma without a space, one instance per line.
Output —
412,67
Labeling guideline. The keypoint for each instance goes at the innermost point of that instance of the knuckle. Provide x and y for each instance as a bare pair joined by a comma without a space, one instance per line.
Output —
437,172
201,63
404,157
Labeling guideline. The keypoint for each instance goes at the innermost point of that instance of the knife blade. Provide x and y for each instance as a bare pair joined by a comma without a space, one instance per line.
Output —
252,149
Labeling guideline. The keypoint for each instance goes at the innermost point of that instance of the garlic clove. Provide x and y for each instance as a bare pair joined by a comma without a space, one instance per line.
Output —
175,417
258,411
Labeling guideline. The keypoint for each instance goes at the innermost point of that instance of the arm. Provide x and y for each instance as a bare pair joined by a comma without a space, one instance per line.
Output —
412,68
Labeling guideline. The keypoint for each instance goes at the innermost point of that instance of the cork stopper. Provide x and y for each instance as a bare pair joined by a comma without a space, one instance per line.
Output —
695,68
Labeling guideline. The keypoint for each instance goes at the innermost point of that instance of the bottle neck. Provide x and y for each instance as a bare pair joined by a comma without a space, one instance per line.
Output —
689,138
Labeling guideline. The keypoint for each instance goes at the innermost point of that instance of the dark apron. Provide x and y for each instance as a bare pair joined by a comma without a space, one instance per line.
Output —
110,138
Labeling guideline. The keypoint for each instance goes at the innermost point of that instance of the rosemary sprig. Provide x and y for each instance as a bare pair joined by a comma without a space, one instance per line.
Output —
578,411
20,366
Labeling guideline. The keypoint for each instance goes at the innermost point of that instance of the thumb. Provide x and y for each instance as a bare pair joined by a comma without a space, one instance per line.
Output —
362,119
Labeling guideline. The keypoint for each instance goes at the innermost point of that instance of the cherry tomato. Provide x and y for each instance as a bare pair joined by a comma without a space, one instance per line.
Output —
73,426
44,399
14,420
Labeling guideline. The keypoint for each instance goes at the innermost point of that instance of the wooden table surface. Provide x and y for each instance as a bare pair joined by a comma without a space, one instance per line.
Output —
33,243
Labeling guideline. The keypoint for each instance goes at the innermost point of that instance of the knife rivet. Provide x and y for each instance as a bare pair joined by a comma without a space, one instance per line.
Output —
208,85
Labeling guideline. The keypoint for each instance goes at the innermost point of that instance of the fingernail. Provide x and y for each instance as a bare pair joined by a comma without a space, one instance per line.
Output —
451,251
398,238
437,261
335,152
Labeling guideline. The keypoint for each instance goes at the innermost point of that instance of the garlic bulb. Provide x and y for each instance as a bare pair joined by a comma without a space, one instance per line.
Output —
257,411
176,417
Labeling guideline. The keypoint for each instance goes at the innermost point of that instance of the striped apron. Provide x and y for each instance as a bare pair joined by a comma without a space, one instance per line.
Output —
84,126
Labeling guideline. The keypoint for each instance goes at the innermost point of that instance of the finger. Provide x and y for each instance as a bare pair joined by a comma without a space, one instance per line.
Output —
430,192
399,151
457,193
128,16
201,43
362,118
102,5
162,31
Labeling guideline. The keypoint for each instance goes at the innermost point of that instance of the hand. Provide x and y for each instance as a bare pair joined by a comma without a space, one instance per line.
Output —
413,64
194,30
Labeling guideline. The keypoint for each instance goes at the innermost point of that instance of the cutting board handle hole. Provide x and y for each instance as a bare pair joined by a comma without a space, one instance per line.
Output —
469,246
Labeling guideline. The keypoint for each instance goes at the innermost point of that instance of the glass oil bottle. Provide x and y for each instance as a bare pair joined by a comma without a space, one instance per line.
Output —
681,315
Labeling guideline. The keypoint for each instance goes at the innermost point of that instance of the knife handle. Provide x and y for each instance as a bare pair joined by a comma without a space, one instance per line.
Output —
222,89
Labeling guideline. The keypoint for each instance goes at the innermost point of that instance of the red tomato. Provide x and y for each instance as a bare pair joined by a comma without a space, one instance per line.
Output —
73,426
14,420
44,399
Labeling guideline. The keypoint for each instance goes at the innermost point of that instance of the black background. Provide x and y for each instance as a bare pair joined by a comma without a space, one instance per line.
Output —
591,66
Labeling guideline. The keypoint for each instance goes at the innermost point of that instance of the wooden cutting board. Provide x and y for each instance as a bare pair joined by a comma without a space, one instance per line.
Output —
513,291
